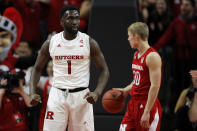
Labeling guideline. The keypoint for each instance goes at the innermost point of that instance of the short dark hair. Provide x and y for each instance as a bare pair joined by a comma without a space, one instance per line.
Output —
68,7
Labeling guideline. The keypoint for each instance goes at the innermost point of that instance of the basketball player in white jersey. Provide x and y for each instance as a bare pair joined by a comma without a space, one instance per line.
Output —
70,101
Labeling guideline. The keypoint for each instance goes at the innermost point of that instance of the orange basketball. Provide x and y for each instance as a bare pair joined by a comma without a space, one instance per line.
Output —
113,101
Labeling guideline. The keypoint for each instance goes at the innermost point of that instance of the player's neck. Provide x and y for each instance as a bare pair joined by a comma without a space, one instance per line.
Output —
144,46
69,36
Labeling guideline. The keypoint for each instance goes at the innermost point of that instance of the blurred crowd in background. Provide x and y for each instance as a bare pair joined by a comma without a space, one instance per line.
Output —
26,24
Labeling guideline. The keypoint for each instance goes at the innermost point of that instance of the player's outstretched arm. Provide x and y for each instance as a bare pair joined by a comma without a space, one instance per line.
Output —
101,65
41,60
153,62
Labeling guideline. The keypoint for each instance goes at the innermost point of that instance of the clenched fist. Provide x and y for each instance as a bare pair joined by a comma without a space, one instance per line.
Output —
91,97
35,99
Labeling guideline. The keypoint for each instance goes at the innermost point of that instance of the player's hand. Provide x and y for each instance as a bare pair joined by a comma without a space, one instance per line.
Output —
193,73
91,97
145,120
35,99
124,93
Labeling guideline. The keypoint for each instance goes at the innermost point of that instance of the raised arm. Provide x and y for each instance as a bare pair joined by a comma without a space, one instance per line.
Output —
153,62
41,60
166,37
101,65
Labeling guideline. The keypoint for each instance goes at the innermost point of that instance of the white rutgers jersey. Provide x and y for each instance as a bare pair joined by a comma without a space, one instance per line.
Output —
71,61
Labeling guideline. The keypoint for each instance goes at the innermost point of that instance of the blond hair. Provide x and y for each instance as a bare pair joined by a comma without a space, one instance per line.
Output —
139,28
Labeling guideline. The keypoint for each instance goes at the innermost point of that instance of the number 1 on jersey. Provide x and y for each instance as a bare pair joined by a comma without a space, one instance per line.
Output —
69,66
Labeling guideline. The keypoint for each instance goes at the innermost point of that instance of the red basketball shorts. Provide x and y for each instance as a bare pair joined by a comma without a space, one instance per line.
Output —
135,109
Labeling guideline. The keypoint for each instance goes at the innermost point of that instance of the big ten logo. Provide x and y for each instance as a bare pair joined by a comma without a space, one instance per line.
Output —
50,115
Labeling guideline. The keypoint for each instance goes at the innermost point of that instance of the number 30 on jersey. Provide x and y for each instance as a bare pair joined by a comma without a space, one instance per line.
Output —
136,77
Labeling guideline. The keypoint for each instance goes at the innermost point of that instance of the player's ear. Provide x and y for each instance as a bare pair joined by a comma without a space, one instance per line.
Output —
137,36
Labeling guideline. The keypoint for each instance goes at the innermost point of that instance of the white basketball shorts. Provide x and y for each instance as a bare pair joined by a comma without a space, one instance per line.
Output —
68,110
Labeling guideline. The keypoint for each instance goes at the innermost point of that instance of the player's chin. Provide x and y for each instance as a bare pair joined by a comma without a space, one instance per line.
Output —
75,30
132,46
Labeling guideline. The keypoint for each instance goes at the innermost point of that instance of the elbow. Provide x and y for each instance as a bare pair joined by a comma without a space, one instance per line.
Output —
105,72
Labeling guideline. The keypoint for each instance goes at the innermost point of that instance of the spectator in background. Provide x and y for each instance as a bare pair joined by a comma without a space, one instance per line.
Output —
27,56
182,33
13,104
183,96
23,49
33,12
176,7
159,20
143,10
151,5
11,28
84,14
182,121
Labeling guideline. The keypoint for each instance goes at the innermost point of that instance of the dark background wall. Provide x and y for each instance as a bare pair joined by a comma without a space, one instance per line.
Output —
108,23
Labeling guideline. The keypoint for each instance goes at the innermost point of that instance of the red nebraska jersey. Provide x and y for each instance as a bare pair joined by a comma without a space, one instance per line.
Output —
141,79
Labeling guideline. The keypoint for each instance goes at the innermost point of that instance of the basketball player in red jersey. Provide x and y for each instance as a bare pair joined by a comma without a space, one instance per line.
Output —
70,101
143,110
